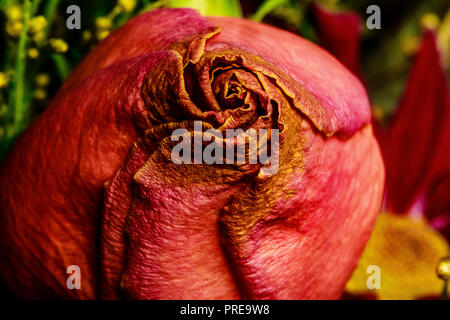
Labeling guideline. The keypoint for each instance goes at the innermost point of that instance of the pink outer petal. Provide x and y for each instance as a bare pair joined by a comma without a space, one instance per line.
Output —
304,247
308,245
178,255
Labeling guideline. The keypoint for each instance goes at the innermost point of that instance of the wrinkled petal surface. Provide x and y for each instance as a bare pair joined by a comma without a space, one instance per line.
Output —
92,181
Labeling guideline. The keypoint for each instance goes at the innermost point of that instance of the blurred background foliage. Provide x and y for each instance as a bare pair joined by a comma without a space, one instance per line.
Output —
38,51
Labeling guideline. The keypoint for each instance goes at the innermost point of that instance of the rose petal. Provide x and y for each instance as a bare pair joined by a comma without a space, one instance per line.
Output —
340,33
53,177
415,148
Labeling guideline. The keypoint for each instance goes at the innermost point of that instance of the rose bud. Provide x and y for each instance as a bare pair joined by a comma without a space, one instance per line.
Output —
93,183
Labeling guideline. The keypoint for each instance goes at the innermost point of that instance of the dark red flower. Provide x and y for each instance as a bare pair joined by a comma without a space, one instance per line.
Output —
340,33
415,145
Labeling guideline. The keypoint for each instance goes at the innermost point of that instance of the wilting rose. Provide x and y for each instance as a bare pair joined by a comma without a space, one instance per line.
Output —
91,182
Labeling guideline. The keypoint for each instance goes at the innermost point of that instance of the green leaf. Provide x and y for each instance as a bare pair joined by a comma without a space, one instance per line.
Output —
62,66
266,7
49,12
210,7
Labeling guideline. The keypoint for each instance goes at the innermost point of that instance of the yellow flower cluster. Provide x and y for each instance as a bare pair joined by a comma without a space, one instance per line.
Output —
37,24
33,53
4,79
14,28
42,80
14,24
105,24
59,45
126,5
36,27
14,13
430,20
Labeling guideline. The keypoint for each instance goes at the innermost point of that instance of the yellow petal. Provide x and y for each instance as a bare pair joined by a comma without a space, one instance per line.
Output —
407,252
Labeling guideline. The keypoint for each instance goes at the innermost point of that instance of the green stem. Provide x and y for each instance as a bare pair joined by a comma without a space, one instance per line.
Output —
6,4
62,66
19,75
49,13
35,7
